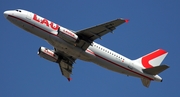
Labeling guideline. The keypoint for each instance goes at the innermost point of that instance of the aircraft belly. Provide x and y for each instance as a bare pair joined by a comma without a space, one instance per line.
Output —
29,26
108,65
40,33
16,22
69,49
112,67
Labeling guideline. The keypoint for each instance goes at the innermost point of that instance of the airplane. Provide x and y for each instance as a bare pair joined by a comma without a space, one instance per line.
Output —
71,45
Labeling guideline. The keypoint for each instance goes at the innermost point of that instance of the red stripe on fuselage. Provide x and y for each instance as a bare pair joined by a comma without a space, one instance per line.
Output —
87,50
90,51
121,66
37,26
32,25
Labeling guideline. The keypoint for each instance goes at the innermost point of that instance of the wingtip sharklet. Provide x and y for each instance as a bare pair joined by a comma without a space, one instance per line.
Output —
126,20
69,79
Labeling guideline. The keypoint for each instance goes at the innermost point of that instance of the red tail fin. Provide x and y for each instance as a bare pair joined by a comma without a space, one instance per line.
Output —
152,59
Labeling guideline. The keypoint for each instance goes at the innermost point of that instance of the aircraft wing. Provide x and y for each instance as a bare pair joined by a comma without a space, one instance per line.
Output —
66,64
87,36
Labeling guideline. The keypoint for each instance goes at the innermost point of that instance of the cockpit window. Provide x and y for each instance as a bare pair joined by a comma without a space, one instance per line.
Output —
18,10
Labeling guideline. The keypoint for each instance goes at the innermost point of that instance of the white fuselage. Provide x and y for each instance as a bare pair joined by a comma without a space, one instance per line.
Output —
95,53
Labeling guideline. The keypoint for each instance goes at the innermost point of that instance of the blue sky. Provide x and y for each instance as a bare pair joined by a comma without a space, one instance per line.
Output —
152,25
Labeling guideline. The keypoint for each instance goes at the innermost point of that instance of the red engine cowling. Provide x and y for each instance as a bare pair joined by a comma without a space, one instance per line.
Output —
67,35
47,54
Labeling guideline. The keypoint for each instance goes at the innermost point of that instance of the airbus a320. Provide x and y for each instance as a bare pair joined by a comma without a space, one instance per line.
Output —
71,45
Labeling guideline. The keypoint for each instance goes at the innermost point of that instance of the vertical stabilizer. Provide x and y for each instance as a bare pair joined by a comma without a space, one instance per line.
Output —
152,59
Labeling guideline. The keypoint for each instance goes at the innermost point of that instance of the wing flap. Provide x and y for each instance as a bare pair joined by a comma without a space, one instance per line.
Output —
66,69
65,64
65,72
155,70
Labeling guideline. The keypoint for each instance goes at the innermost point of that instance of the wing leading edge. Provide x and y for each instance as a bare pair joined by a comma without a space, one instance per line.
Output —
87,36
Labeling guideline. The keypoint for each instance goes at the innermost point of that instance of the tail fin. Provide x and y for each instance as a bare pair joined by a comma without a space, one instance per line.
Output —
152,59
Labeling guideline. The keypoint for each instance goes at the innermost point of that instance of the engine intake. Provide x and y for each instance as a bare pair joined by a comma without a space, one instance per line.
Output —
47,54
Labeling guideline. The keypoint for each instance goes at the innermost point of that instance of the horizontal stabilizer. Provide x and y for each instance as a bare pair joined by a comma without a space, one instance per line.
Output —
155,70
145,82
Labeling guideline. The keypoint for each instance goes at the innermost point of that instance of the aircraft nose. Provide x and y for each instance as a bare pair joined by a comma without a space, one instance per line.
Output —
6,13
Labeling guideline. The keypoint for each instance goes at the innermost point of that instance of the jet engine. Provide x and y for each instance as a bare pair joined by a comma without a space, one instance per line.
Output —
47,54
67,35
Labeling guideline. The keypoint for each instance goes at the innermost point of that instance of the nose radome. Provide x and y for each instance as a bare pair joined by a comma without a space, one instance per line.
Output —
6,13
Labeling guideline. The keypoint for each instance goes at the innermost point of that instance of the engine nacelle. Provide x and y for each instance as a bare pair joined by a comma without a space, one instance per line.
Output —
48,54
67,35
